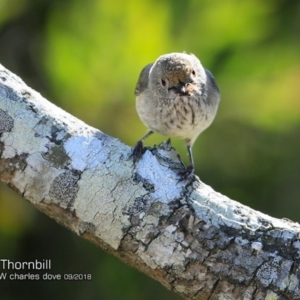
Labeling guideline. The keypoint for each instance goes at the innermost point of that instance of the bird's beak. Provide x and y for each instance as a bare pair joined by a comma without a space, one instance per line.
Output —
185,88
181,88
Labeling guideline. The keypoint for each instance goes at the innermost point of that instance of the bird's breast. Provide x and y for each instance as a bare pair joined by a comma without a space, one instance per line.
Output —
182,116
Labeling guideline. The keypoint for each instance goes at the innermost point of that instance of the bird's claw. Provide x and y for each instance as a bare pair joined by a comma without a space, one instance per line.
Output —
137,151
186,174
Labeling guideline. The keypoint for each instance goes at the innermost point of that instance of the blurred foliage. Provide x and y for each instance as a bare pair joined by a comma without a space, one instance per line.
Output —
86,56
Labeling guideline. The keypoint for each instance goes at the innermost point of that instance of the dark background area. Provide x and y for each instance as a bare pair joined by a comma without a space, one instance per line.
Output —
85,56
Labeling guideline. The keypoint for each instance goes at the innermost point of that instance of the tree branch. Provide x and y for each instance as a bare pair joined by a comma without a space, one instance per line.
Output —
192,239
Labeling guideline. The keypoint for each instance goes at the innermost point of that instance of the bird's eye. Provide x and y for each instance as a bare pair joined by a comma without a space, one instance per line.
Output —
163,82
193,73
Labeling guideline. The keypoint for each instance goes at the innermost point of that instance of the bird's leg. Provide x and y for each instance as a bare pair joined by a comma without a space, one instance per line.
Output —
137,151
190,168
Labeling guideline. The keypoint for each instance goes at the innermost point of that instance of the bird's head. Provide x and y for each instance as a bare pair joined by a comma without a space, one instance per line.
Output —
177,73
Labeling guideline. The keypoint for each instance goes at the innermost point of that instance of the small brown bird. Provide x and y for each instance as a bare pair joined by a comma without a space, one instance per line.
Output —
176,97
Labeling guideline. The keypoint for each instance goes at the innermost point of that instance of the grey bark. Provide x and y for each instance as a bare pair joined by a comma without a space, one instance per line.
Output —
192,239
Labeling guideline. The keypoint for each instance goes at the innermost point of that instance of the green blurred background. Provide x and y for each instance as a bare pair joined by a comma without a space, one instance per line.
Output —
85,56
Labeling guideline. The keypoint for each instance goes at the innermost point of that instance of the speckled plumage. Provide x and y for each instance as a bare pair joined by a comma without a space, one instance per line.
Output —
176,97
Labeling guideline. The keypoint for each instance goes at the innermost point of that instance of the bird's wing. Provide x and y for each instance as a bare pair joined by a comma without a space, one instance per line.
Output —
143,80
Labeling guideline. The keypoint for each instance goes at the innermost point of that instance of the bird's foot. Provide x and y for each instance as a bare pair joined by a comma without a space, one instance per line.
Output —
137,151
186,174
